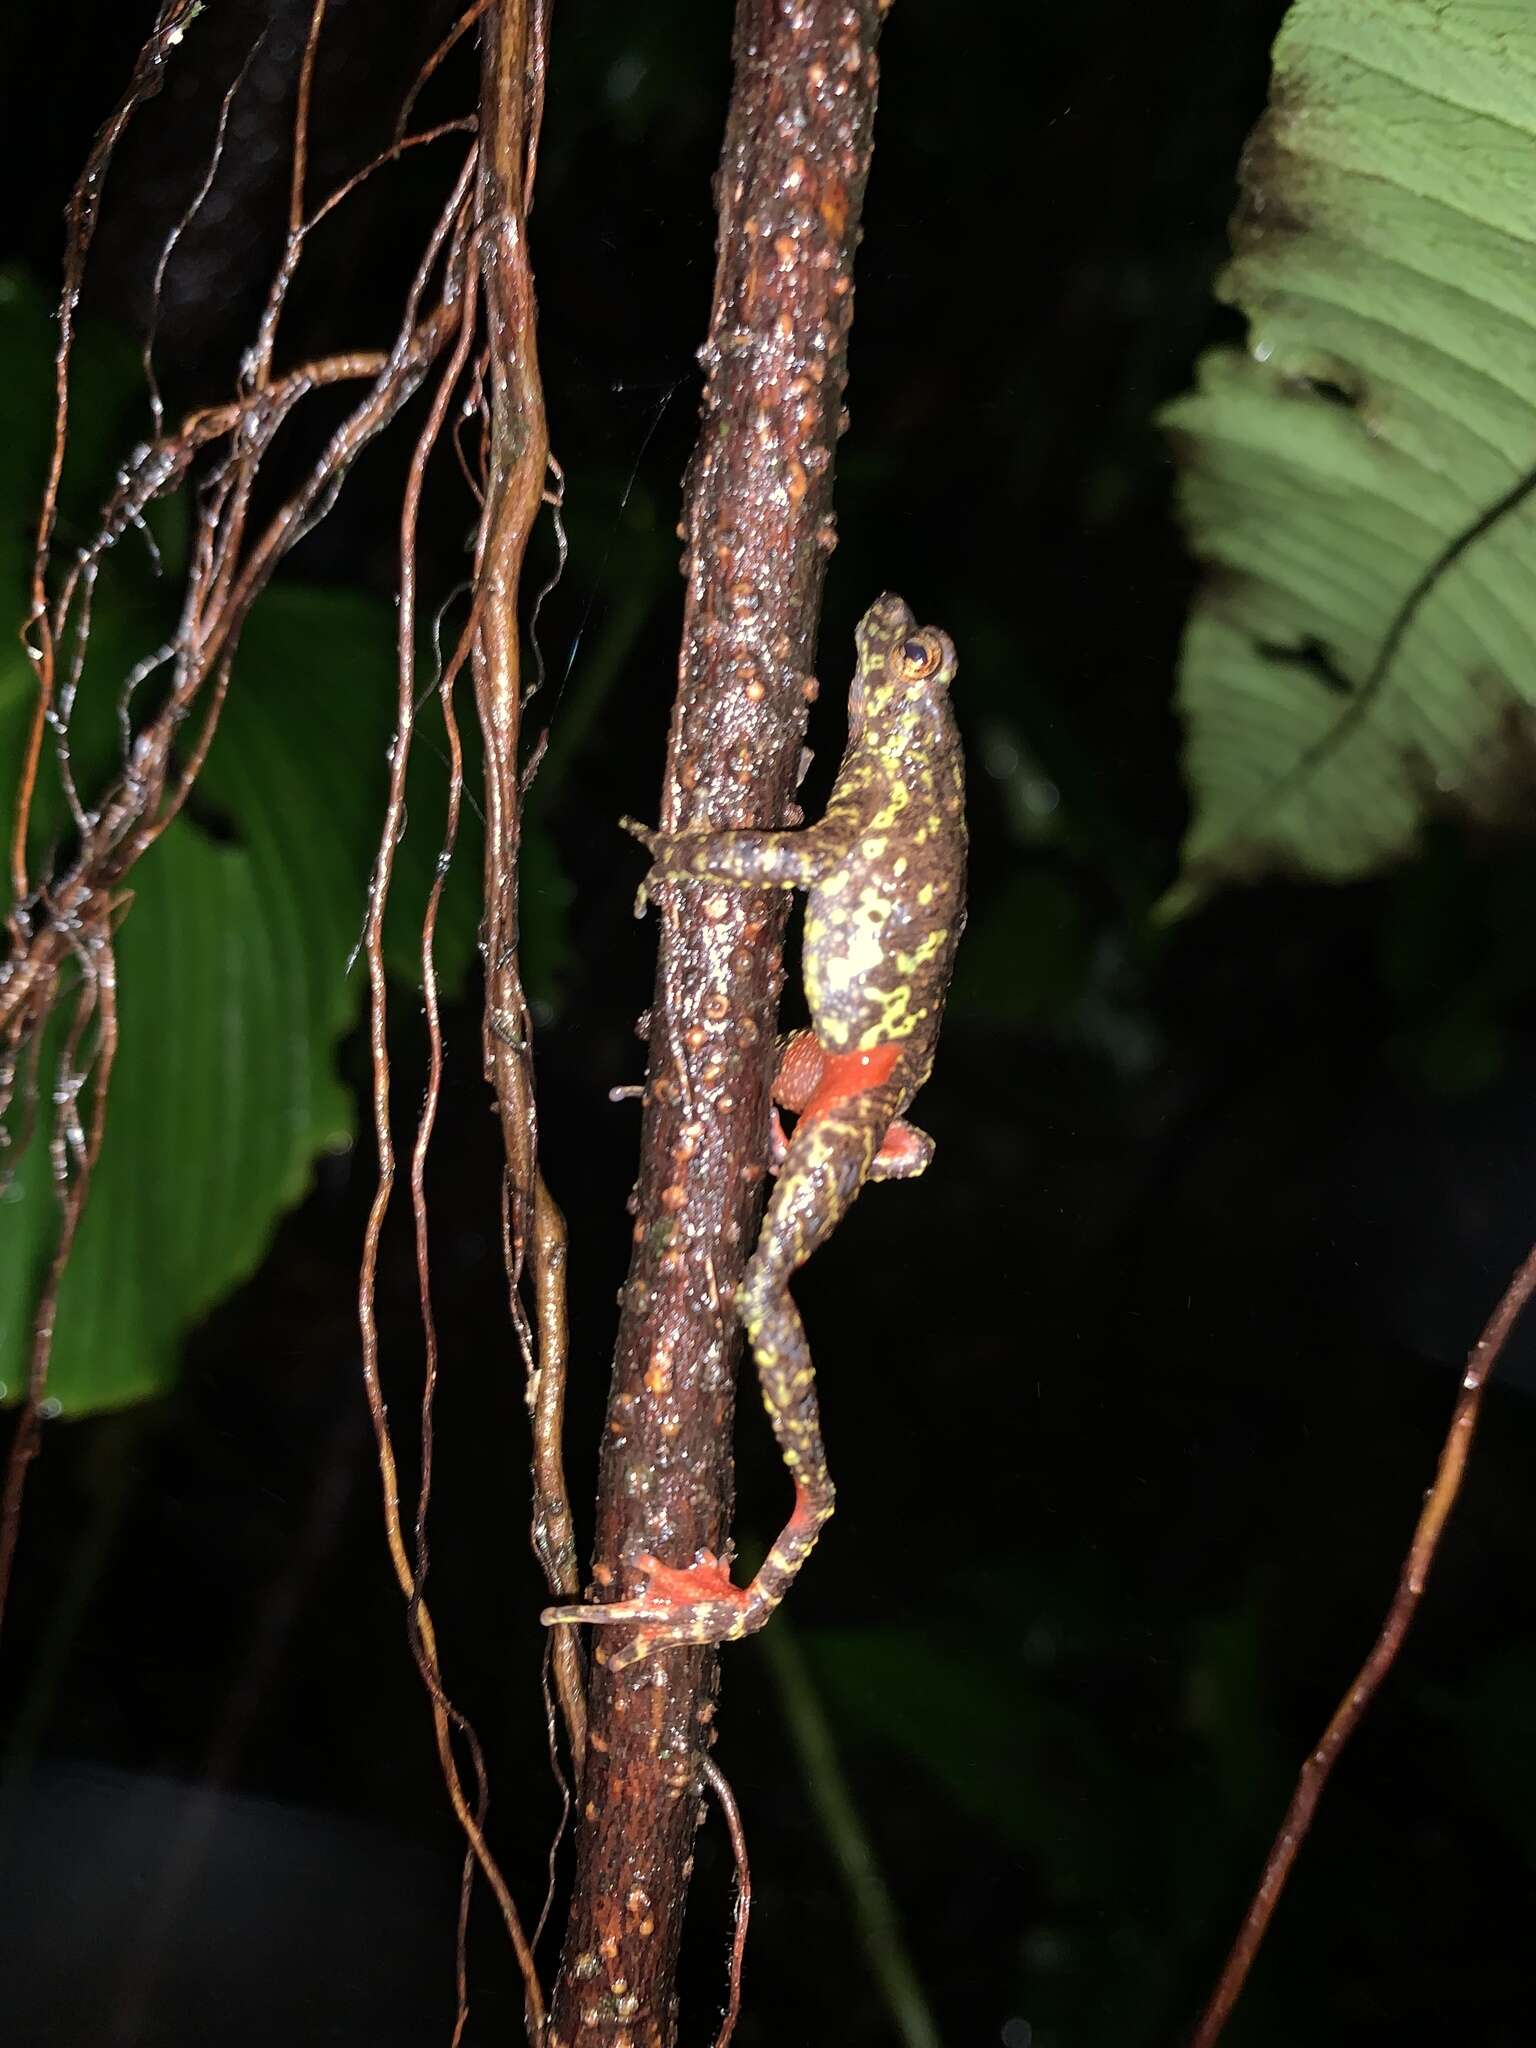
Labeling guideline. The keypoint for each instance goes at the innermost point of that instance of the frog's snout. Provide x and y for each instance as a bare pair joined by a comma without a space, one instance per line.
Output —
890,614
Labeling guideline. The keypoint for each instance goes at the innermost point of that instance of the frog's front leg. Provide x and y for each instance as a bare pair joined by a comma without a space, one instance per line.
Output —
745,859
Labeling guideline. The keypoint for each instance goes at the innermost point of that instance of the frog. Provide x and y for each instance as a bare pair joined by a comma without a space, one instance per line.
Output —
884,876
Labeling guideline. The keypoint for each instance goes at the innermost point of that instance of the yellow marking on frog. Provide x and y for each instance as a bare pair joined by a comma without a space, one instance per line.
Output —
834,885
898,796
908,963
874,846
897,1018
925,895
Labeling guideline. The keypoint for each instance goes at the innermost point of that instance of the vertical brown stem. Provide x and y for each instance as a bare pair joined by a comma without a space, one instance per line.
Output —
519,455
759,529
511,103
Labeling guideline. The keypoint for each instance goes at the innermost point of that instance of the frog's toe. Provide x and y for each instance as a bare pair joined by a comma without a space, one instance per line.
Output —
678,1605
905,1152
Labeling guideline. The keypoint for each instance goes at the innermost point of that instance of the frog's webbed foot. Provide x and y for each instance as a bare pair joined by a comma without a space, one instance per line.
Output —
809,1080
679,1605
905,1152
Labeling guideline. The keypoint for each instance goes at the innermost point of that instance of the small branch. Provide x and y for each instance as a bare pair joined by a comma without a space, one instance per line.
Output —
725,1799
82,213
455,35
1315,1772
76,1147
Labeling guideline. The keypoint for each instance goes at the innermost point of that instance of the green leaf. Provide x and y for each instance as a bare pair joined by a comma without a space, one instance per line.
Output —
232,992
1383,408
236,981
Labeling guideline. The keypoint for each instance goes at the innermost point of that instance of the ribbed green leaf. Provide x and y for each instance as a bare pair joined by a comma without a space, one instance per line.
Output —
1362,653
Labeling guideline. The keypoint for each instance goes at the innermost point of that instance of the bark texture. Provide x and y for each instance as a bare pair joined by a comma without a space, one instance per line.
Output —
758,530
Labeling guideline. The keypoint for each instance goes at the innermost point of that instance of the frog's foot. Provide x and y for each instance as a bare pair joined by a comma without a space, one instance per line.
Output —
778,1143
650,841
646,834
904,1152
694,1603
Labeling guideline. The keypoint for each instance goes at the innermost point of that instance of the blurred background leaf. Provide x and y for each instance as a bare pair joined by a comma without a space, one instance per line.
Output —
1381,407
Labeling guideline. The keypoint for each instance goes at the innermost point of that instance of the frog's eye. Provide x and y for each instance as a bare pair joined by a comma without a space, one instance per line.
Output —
920,656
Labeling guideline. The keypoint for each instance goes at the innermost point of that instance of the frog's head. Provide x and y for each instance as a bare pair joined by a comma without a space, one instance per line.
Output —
904,669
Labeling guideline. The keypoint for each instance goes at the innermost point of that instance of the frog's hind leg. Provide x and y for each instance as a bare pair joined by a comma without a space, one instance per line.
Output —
905,1152
829,1158
807,1078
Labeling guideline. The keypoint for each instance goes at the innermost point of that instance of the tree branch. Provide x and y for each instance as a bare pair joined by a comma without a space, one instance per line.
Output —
758,529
